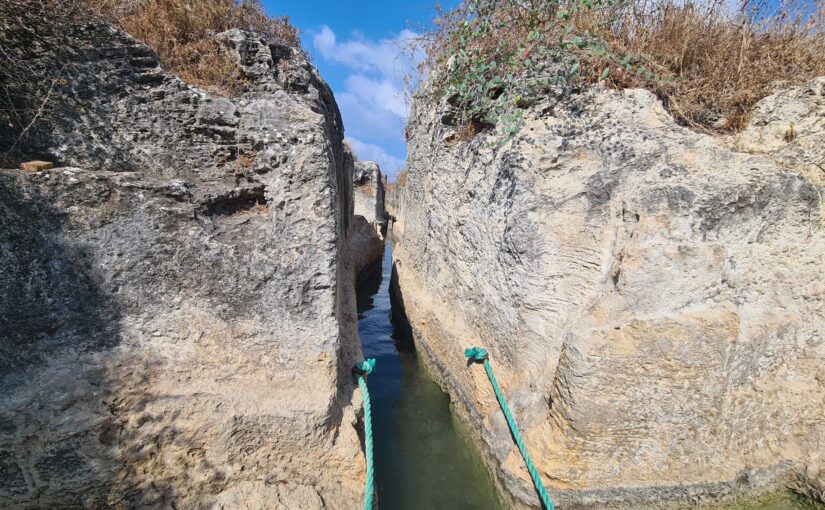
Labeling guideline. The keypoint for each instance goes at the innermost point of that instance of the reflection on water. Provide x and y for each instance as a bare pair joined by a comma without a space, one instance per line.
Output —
421,462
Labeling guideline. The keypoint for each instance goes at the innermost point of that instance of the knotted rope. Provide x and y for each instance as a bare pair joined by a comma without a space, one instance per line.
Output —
479,355
361,370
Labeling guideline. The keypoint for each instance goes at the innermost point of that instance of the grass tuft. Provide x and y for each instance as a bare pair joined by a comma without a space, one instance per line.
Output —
181,33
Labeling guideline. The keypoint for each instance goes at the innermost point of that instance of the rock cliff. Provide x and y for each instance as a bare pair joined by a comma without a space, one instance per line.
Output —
396,192
368,195
177,321
370,223
652,298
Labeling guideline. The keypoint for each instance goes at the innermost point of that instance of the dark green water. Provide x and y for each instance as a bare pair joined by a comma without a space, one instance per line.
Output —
421,461
777,501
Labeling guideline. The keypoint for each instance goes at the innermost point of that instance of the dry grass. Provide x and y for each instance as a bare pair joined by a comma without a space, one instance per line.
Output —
718,64
366,189
180,33
709,65
245,159
401,179
467,131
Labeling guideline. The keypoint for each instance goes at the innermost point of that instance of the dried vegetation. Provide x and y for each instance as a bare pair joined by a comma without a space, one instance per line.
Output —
708,63
181,32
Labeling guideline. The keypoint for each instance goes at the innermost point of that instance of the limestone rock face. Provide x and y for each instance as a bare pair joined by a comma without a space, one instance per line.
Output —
653,299
367,248
177,320
395,195
789,127
370,223
368,194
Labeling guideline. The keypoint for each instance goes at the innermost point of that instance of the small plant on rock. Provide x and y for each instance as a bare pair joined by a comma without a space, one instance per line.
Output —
708,62
495,56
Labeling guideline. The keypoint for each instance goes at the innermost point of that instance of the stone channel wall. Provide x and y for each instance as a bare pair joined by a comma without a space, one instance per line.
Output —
370,223
177,320
653,299
395,196
368,194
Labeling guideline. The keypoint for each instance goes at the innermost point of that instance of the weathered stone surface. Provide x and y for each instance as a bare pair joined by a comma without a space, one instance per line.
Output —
652,298
789,126
368,194
177,321
370,225
34,166
394,198
367,248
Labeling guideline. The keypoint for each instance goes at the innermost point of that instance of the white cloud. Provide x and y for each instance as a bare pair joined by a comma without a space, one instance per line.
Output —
372,102
389,164
378,93
324,41
391,58
364,120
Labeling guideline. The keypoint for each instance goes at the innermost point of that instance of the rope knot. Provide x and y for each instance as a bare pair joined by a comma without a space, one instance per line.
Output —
364,367
476,354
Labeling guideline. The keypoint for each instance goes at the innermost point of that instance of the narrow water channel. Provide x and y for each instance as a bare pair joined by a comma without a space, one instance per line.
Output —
421,462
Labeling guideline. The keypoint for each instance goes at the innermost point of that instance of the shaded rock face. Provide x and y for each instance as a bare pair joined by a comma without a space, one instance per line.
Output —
177,322
652,298
368,194
370,221
395,196
367,249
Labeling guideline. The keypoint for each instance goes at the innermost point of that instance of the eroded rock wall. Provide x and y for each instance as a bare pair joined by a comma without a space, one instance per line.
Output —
368,195
652,298
367,249
370,223
395,196
177,321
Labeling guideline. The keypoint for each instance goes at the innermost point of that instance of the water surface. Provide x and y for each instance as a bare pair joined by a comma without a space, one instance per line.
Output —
776,501
421,461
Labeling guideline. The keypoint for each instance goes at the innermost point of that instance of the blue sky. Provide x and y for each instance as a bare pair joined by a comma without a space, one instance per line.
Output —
357,47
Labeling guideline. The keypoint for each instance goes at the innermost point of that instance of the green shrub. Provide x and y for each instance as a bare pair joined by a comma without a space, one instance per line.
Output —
709,66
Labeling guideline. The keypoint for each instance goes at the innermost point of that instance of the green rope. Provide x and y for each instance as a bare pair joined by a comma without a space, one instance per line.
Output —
361,370
479,355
